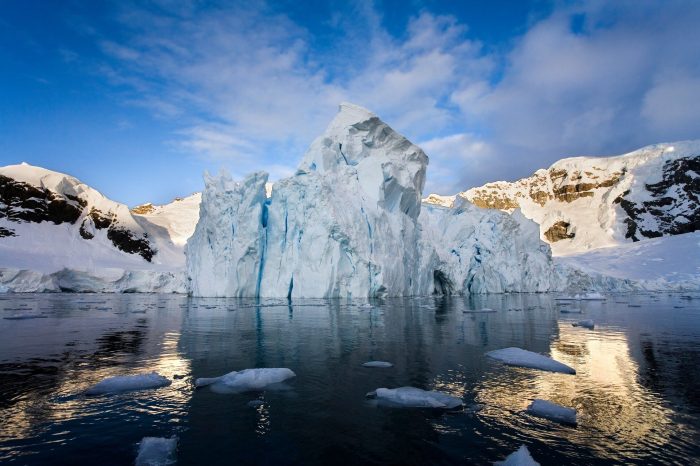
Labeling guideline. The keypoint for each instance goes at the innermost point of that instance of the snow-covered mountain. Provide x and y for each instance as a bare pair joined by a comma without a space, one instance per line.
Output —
51,223
584,203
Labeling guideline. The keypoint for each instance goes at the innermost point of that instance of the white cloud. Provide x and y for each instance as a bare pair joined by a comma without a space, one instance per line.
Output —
252,88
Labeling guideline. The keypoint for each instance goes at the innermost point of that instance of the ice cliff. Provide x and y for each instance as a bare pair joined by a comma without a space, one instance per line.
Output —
349,223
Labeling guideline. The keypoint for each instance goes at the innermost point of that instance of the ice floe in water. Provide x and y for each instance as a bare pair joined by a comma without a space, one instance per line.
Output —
156,451
123,383
552,411
520,457
247,379
411,397
584,323
377,364
25,317
523,358
478,311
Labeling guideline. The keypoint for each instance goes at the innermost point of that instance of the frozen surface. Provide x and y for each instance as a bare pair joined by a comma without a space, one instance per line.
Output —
552,411
377,364
520,457
157,451
411,397
247,379
123,383
523,358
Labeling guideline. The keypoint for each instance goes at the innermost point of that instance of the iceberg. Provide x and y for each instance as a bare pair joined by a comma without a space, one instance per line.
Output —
520,457
246,380
552,411
411,397
523,358
377,364
156,451
585,323
123,383
351,224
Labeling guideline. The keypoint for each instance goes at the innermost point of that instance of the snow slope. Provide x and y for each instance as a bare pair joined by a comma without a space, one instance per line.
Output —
668,263
584,203
178,218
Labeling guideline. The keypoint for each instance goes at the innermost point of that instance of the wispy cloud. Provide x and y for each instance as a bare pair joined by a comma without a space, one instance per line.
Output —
252,88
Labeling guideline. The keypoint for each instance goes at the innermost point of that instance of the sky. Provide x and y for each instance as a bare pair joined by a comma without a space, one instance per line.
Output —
138,99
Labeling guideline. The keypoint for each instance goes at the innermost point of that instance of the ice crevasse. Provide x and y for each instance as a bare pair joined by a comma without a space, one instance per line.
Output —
350,223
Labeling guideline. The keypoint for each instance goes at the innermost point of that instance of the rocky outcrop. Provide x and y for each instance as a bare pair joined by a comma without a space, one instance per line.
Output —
672,206
558,232
21,201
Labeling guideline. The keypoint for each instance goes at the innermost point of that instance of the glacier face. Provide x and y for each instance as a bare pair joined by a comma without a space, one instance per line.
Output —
349,224
225,253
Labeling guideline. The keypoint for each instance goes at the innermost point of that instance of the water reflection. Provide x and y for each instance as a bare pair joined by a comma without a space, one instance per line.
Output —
632,391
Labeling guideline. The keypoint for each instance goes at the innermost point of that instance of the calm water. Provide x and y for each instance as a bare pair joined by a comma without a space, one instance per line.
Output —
637,391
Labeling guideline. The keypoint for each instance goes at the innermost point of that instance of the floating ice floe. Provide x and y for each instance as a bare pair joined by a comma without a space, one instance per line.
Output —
247,379
123,383
156,451
591,297
584,323
377,364
520,457
552,411
25,317
411,397
478,311
570,311
523,358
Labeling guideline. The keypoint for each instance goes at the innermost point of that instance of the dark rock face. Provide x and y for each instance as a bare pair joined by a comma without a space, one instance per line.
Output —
674,207
5,232
21,201
123,238
558,232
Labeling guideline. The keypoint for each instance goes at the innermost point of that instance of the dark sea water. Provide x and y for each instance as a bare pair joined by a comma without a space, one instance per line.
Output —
637,390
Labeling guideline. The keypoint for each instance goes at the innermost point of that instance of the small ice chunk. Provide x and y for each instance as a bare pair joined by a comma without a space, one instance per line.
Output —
478,311
156,451
411,397
570,311
25,317
377,364
523,358
520,457
552,411
255,403
123,383
584,323
247,379
591,297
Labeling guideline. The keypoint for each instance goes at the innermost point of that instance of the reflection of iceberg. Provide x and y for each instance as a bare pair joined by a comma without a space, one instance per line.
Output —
523,358
123,383
247,379
411,397
520,457
552,411
156,451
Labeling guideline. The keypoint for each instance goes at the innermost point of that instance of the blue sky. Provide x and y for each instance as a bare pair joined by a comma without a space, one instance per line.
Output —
139,98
